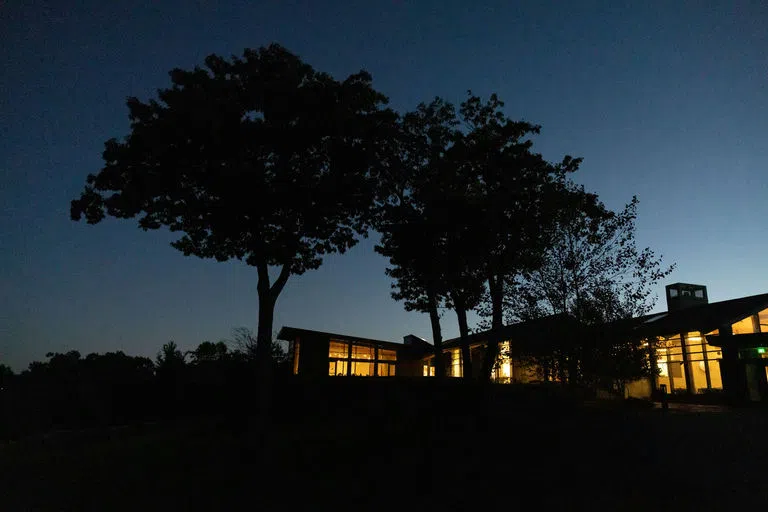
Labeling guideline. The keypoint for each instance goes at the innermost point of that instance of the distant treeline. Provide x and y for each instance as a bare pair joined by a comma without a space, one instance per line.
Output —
69,391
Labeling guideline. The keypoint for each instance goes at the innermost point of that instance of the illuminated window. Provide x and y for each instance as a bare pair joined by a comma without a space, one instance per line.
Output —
296,347
338,349
362,352
337,368
745,326
663,367
762,318
456,363
362,369
387,355
386,370
429,371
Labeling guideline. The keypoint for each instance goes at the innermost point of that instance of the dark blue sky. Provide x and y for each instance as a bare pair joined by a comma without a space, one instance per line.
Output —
666,100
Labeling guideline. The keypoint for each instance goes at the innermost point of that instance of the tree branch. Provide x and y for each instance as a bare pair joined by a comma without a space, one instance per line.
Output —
277,287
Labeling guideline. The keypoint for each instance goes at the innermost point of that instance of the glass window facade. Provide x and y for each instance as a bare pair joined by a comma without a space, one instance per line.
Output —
362,369
363,352
387,355
689,357
338,349
746,325
360,359
762,320
456,370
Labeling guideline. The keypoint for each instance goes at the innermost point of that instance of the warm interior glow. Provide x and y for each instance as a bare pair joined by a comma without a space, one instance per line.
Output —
387,355
360,359
744,326
362,351
338,349
337,368
362,369
456,363
762,318
703,359
662,364
296,347
386,370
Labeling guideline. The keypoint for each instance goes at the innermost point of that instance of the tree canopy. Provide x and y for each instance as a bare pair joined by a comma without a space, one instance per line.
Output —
593,271
258,158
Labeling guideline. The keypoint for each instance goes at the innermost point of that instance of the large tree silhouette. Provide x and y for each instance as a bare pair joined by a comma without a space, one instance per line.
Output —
593,271
258,158
412,222
516,197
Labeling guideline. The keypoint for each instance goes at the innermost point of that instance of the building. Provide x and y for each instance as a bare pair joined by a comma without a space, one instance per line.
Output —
316,353
703,347
699,348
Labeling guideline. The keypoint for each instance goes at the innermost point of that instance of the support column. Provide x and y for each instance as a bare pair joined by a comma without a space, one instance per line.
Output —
686,365
705,357
731,372
653,360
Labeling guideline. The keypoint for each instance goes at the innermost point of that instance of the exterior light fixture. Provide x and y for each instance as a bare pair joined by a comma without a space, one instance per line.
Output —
761,350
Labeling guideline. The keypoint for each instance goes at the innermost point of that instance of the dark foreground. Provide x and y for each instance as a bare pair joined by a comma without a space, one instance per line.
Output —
405,447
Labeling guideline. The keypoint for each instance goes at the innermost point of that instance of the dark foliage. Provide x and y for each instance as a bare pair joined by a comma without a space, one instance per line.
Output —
71,392
414,217
258,158
593,271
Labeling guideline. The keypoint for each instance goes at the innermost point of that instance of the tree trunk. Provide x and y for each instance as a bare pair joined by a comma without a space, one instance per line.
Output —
496,291
437,335
267,299
466,357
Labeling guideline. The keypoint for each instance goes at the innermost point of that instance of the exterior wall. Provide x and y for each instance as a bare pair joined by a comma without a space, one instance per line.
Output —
640,388
688,364
313,356
410,368
361,357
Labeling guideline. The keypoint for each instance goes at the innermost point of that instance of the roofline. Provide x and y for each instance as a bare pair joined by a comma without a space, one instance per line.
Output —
285,336
644,328
478,337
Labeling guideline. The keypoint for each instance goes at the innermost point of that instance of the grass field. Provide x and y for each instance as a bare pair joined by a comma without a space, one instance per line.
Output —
369,449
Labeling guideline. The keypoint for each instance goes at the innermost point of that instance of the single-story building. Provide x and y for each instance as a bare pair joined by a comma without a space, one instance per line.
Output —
699,348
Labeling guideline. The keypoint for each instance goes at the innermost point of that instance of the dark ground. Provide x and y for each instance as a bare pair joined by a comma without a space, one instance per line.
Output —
405,447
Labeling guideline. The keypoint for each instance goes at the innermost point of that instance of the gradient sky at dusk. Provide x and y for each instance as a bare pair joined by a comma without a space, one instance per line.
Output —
665,100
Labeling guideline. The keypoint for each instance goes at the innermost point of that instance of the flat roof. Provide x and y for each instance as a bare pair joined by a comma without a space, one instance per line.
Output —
536,328
291,333
703,317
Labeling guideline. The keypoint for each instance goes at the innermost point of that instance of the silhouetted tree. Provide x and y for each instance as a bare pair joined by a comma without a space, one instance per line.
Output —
68,390
411,223
170,358
259,158
515,199
245,341
170,366
593,270
6,374
208,351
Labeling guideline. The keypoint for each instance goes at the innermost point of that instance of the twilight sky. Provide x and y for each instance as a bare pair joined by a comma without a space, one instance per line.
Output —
665,100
